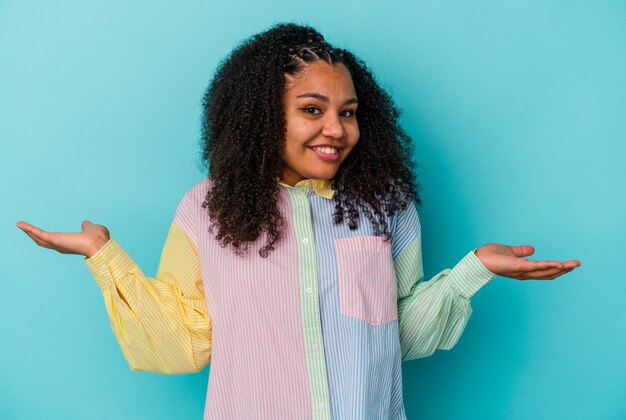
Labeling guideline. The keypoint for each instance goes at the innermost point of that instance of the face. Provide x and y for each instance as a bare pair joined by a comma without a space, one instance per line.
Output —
321,128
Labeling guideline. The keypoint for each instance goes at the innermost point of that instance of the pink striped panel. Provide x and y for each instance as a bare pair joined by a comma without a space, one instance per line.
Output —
257,326
367,280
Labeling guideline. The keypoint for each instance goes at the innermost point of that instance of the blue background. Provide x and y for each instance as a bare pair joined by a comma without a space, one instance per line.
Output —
518,110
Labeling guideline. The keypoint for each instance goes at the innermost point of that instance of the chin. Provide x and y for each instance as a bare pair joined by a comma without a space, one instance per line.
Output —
324,175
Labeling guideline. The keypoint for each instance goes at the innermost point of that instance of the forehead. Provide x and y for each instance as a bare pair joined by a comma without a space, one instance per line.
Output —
321,77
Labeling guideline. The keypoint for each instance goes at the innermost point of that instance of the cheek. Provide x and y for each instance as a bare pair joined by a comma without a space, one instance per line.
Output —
354,134
299,134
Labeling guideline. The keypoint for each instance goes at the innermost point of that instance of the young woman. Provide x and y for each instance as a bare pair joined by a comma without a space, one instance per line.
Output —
295,267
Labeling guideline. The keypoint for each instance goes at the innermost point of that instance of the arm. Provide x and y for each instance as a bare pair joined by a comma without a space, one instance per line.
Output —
161,323
433,314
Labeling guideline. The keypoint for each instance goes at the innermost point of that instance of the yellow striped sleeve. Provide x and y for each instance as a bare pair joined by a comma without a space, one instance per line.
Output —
161,323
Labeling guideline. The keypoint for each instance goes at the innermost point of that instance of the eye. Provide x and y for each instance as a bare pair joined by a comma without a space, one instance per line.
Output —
312,110
347,113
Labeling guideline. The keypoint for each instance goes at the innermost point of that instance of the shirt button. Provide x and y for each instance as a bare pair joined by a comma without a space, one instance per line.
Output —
463,265
305,241
309,290
300,199
320,406
314,348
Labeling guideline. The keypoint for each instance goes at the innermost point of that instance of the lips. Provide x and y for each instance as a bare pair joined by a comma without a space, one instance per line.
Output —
327,153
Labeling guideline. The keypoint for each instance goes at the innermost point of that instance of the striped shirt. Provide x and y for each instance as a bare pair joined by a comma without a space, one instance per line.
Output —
317,330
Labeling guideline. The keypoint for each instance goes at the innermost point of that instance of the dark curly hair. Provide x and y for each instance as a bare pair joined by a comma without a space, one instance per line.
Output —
243,133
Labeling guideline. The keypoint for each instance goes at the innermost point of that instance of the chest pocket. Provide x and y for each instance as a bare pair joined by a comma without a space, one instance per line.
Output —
367,280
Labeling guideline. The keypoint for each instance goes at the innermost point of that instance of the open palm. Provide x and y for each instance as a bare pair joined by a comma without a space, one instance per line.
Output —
87,242
509,261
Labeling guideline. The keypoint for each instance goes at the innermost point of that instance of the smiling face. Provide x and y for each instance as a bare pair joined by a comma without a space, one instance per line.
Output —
321,126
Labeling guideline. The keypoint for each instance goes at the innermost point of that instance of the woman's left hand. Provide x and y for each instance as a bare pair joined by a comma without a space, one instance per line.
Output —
509,261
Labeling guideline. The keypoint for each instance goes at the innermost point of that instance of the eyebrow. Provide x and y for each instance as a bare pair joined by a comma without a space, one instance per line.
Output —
325,98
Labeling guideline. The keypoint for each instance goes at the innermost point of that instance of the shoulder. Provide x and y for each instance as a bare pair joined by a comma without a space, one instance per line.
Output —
193,198
189,210
195,195
405,227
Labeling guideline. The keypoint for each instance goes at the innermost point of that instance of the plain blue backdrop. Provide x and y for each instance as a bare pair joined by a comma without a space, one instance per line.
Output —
518,111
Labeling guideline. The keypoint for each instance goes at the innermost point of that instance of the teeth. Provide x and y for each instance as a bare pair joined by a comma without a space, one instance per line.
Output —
327,150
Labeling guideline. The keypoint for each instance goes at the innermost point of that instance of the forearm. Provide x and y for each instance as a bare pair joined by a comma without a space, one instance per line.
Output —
160,327
435,313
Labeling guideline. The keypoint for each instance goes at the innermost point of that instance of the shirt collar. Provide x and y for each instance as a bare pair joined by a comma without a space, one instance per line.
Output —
322,187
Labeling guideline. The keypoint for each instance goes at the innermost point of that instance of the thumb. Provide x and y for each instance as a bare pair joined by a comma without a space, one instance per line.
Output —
85,224
523,250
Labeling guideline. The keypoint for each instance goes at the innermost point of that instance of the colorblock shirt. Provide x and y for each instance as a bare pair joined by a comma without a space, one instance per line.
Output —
317,330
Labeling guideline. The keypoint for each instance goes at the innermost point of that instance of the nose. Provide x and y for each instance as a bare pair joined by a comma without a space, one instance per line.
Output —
333,127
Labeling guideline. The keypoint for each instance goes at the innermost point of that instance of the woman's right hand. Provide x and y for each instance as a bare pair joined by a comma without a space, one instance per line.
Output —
87,242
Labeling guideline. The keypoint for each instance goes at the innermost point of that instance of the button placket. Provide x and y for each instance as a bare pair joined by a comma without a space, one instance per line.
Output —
307,261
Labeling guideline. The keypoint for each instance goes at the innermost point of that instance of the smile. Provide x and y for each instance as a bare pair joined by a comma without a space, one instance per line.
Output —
326,153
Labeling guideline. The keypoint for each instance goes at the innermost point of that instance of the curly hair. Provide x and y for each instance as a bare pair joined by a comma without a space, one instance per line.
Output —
243,136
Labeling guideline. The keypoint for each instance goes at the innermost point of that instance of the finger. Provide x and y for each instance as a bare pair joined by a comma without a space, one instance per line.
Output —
42,235
27,227
559,274
531,265
85,224
38,240
523,250
57,245
42,238
572,264
29,232
546,274
553,276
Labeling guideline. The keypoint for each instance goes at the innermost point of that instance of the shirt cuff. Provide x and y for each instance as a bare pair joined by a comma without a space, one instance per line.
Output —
109,263
470,274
